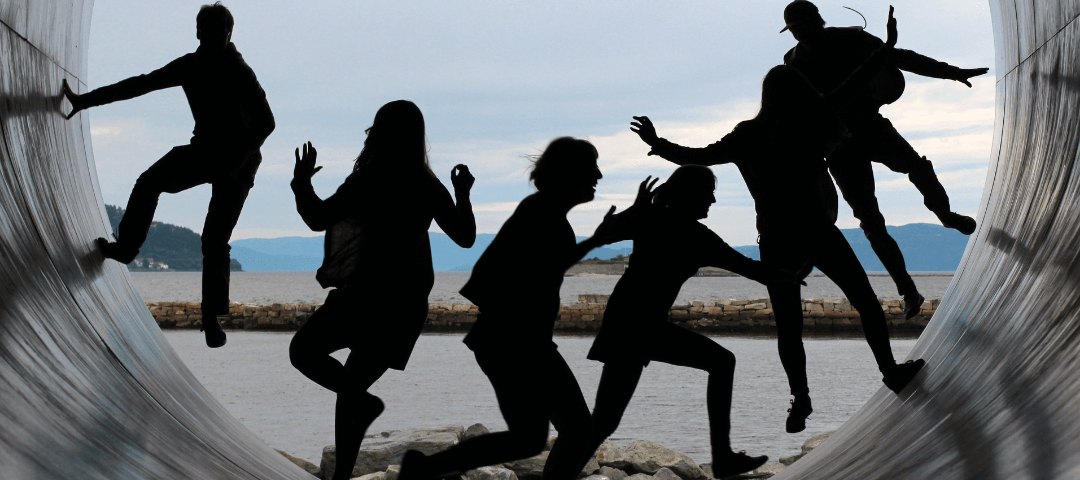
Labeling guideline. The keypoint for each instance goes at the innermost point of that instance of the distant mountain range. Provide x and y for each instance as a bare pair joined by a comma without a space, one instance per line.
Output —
927,248
177,247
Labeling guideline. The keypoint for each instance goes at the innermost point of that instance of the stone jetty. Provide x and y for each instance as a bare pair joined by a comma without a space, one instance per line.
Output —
381,453
715,316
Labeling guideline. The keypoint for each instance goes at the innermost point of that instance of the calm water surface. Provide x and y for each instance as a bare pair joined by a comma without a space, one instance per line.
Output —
442,385
301,287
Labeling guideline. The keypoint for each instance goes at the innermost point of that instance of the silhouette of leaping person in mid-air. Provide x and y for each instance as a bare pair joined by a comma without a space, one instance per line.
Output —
827,56
670,245
779,154
232,119
513,345
378,257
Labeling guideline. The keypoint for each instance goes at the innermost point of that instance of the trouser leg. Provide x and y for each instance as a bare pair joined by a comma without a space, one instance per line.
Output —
617,384
884,145
226,203
173,173
787,311
571,418
678,346
855,177
837,261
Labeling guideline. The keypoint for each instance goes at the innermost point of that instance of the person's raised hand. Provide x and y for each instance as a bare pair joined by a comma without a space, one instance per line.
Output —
966,73
890,27
305,166
645,129
76,103
645,191
603,232
461,178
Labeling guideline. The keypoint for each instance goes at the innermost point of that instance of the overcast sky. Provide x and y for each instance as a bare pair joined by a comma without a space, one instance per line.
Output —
498,80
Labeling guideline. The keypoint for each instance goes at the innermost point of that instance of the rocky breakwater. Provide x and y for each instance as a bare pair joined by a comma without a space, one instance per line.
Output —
715,316
381,454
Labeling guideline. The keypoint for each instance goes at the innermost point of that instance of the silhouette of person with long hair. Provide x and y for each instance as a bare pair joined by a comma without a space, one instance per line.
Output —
779,154
827,56
670,245
378,257
232,119
512,336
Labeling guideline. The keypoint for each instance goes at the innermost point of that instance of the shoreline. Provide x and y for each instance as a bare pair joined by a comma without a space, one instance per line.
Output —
741,317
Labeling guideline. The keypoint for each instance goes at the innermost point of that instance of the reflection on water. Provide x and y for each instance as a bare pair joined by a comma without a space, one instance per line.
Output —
442,385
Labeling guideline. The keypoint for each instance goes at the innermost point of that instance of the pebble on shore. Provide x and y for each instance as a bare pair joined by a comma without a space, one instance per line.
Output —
381,453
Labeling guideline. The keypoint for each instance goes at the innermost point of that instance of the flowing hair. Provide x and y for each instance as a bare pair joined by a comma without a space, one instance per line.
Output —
396,141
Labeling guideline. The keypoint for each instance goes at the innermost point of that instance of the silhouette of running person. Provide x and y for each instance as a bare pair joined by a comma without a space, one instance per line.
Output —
232,119
827,56
512,336
378,257
779,155
670,245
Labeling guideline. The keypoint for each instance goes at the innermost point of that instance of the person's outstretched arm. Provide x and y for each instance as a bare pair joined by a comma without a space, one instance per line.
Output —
715,154
164,77
602,236
721,255
457,220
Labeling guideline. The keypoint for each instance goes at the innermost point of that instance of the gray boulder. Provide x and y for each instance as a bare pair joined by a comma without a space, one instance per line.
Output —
371,476
381,450
304,464
815,441
597,477
648,457
590,468
392,472
791,459
665,474
475,430
613,473
529,468
768,469
491,473
640,476
610,455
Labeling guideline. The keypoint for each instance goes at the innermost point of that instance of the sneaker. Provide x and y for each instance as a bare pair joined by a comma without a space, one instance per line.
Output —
913,304
215,336
114,251
961,223
736,463
797,414
900,375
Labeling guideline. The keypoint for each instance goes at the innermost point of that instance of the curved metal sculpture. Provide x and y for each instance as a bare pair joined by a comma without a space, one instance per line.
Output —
90,389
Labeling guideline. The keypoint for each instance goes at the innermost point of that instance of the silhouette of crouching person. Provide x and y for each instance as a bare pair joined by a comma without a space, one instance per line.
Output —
232,120
378,256
514,346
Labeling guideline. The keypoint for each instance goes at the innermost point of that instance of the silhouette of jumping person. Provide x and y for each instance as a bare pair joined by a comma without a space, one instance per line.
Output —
378,257
779,155
232,119
512,336
827,56
670,245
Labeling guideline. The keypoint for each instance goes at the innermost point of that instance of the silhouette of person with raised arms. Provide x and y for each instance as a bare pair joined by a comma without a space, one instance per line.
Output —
779,154
670,245
378,257
512,336
232,119
827,56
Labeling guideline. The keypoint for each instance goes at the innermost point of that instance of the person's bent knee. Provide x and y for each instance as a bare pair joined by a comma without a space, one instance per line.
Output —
298,352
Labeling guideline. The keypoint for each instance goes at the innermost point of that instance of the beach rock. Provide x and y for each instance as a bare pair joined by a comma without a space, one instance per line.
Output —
610,455
769,468
392,472
597,477
550,443
304,464
613,473
491,473
529,468
640,476
381,450
791,459
665,474
475,430
814,441
648,457
370,476
591,467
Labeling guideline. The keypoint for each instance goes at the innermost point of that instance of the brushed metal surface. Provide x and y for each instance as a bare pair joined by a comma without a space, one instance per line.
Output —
89,388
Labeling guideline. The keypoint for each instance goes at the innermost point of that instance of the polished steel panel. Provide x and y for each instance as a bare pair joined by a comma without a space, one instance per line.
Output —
89,388
999,397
